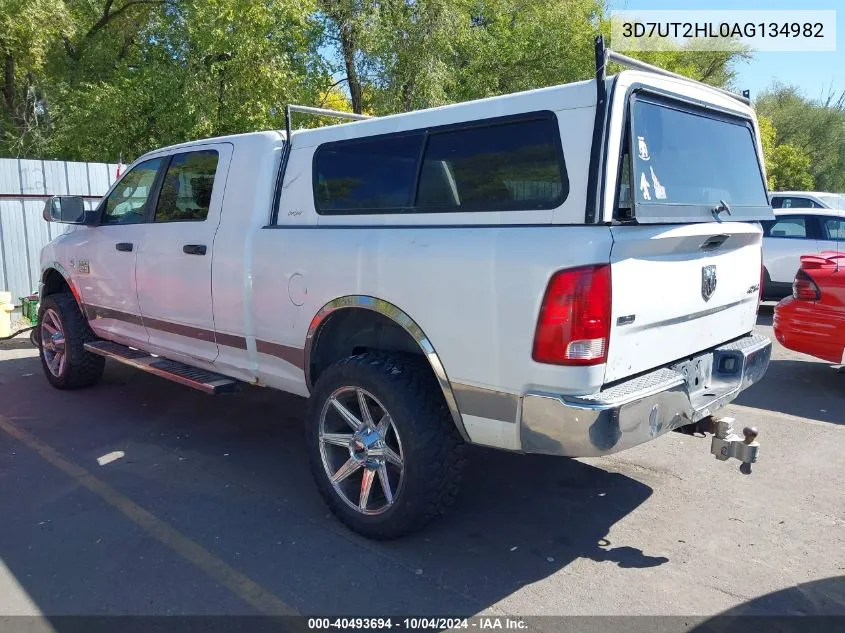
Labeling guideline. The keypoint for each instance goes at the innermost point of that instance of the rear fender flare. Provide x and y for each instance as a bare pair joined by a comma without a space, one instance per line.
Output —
404,321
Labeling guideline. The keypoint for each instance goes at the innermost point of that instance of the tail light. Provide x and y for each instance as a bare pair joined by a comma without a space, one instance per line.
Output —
574,323
804,288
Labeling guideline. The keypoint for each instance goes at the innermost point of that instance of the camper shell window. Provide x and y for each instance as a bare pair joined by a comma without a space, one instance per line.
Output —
503,164
683,161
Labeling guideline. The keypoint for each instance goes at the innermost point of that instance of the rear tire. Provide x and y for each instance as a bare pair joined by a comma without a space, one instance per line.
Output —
63,334
406,441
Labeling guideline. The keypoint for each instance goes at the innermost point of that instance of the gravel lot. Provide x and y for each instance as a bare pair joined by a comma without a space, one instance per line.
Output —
143,497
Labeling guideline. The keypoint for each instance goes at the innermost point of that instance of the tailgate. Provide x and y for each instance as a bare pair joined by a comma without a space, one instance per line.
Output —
678,290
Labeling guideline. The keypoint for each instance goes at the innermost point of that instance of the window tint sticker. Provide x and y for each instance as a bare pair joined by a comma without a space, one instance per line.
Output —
644,186
659,190
643,148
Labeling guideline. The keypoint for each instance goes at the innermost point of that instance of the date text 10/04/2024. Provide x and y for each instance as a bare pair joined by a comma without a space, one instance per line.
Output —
412,624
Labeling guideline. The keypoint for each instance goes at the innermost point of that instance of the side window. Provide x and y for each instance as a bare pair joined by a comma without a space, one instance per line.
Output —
186,190
374,175
795,203
127,203
794,227
496,167
834,229
777,202
503,165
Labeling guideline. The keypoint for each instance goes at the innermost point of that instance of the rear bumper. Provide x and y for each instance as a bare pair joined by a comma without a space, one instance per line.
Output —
809,328
638,410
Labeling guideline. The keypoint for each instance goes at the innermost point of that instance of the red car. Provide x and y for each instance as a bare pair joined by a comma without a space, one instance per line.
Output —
812,320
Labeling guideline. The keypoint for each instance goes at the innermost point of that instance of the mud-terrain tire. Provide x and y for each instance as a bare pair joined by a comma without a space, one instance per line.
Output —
63,357
409,422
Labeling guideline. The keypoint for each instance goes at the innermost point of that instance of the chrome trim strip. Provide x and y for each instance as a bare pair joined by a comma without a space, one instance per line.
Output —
405,322
486,403
692,317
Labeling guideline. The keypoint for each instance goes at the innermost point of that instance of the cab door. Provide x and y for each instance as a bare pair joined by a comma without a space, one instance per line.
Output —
785,240
174,262
105,256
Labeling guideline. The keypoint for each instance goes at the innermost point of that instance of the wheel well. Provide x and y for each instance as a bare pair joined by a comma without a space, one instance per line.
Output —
53,282
351,331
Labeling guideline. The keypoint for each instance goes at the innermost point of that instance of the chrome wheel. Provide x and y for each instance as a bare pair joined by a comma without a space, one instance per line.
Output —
53,342
359,446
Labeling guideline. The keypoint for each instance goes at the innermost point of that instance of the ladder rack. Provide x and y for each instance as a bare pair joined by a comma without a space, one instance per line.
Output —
338,114
605,55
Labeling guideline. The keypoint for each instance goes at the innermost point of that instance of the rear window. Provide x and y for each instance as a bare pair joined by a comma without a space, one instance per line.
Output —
685,163
791,202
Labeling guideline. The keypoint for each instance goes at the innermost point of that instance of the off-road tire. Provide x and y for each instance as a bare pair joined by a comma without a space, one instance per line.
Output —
82,368
433,449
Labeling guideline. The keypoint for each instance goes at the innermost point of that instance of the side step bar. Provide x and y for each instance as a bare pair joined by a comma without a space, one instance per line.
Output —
200,379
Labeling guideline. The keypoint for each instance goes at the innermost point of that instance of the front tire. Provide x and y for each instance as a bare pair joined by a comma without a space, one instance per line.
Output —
63,333
383,448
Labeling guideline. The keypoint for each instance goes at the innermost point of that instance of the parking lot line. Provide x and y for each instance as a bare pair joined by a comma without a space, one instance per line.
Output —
236,582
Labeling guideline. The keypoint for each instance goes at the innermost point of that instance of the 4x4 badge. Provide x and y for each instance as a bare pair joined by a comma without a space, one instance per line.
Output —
708,281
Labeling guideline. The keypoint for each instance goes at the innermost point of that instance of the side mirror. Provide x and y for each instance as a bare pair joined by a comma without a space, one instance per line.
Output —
68,210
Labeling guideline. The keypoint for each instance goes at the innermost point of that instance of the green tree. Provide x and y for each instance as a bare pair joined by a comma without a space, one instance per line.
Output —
27,30
790,169
198,68
816,128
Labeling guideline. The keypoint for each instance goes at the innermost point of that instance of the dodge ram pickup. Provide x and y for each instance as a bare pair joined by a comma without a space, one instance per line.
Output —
572,271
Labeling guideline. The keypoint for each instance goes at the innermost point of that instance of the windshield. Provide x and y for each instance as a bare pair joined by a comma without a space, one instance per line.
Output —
686,164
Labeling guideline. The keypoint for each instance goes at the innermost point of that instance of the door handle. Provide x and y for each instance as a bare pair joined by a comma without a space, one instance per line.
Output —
124,246
194,249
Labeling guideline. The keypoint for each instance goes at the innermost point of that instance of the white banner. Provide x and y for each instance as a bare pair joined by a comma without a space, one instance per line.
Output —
749,30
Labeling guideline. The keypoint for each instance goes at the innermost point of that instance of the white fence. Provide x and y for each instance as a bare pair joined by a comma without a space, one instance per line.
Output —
24,186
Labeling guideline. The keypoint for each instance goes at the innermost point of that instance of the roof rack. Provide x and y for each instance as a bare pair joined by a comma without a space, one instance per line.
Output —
605,55
338,114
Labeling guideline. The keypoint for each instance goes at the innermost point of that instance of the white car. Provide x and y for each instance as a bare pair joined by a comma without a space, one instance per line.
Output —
807,200
472,273
795,232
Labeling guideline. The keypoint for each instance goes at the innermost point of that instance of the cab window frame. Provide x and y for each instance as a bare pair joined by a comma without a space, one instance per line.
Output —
151,211
152,194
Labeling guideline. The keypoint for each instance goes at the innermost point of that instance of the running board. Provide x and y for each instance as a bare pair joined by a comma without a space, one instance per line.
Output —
200,379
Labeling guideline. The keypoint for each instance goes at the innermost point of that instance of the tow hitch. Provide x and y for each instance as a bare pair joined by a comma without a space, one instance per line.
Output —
727,442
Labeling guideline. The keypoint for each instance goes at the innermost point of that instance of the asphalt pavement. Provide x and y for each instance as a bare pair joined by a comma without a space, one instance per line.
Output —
142,497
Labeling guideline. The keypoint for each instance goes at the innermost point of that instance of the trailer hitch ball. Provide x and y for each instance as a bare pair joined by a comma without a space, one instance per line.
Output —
726,444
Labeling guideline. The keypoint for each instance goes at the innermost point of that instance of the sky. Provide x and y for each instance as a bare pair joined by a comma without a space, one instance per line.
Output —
816,73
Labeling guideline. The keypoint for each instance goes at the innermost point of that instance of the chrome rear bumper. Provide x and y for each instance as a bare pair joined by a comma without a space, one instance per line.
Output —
638,410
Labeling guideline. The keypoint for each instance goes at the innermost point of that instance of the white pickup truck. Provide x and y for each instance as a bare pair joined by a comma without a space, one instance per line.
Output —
572,271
